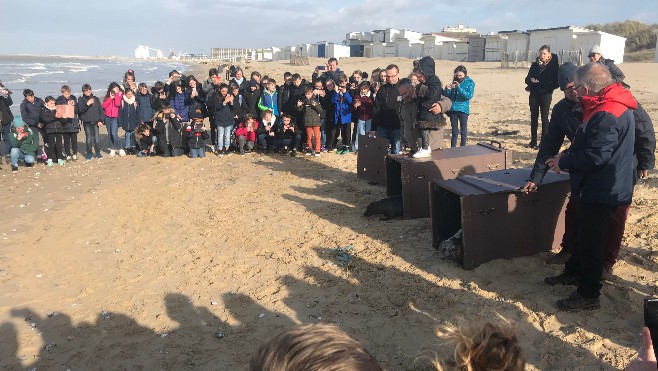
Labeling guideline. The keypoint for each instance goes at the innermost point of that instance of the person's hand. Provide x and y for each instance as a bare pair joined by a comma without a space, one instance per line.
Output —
534,80
313,103
172,115
40,125
115,89
372,133
90,102
271,134
71,102
299,103
448,86
162,95
112,94
357,104
436,109
554,162
322,93
100,123
646,358
643,174
529,187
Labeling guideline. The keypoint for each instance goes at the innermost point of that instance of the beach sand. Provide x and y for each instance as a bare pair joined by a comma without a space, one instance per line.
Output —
157,263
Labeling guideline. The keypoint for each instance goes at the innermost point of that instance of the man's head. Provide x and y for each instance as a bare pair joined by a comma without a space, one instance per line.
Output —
595,54
29,95
332,64
296,80
287,78
392,74
565,78
271,85
86,90
313,347
406,89
591,78
239,73
212,72
286,119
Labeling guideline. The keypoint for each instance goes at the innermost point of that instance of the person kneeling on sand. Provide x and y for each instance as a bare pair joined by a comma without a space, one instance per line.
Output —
24,144
313,347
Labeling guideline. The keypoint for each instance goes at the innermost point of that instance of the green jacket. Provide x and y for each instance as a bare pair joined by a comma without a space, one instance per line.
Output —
27,145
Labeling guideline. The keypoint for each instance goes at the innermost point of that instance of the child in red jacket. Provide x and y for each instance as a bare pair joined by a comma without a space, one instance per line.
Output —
363,104
246,133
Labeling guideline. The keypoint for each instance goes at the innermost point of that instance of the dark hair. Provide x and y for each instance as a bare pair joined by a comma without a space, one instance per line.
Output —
129,73
128,90
190,78
173,72
213,72
364,84
392,66
308,88
270,81
296,76
222,86
65,88
142,85
255,73
332,60
461,68
28,93
110,88
287,74
233,85
358,72
49,99
405,83
158,85
247,117
547,47
142,128
85,87
286,116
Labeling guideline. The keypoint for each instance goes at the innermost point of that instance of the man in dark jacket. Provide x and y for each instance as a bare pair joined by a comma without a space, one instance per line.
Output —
596,56
30,110
600,162
6,117
386,110
331,73
541,81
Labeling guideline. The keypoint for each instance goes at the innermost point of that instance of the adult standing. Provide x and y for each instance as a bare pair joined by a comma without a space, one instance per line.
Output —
600,164
6,117
386,110
541,81
331,73
460,93
596,56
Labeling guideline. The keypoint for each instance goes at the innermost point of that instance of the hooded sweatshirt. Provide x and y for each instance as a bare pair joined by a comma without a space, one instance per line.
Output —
600,160
428,92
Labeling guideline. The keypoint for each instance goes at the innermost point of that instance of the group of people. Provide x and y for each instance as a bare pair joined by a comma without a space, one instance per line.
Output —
326,114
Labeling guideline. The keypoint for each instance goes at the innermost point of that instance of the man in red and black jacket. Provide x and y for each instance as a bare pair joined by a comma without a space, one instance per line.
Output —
600,162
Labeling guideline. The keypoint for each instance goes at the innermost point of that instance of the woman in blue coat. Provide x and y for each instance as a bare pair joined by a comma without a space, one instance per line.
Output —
460,93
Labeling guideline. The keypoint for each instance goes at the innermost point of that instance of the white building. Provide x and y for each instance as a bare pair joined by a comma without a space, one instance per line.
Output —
144,52
454,51
573,39
433,45
337,51
494,46
656,32
459,29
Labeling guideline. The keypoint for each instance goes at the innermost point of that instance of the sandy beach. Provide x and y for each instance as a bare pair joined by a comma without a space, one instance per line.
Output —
161,263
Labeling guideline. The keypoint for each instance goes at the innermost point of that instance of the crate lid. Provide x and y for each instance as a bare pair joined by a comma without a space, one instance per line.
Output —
499,181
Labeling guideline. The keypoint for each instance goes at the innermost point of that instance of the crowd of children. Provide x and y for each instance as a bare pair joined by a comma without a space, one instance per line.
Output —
245,115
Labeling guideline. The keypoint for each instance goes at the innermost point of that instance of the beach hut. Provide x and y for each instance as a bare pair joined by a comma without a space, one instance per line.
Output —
337,51
656,32
570,41
494,46
433,45
412,36
416,50
475,48
391,34
518,43
305,49
612,45
454,51
391,50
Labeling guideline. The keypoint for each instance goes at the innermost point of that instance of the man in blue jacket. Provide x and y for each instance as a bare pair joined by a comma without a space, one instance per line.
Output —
600,163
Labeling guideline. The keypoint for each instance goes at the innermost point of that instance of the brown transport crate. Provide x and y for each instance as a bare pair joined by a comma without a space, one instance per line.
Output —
410,177
371,159
498,221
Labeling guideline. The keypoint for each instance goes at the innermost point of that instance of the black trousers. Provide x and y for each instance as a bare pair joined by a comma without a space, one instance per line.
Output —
539,102
55,150
586,258
346,134
70,143
332,131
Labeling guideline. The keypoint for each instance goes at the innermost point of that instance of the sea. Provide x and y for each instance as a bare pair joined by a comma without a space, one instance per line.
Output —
45,75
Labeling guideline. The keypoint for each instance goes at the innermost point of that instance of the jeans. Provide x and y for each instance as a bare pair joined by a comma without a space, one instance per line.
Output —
113,132
91,136
244,143
323,134
16,154
130,139
291,143
393,136
70,143
458,120
362,128
224,136
539,101
197,152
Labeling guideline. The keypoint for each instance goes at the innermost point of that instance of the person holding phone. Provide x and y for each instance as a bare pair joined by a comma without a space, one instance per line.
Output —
331,73
460,93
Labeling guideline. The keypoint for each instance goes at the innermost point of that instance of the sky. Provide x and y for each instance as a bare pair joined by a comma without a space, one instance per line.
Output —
117,27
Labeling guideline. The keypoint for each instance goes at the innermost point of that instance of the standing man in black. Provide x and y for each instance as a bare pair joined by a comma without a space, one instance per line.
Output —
386,110
541,81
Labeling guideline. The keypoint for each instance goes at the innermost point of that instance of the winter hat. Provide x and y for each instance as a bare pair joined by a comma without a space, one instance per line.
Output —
253,83
18,122
566,74
595,50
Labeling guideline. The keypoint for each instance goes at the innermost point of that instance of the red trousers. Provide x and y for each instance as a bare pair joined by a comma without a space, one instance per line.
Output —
313,131
613,235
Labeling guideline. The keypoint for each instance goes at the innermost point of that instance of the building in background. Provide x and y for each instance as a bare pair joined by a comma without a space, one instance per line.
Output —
459,29
572,43
144,52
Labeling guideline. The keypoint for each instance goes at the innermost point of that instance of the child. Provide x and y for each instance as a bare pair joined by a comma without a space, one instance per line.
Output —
289,136
224,120
24,144
167,128
30,111
111,104
246,133
269,99
54,130
251,97
145,101
311,111
71,126
267,130
428,92
342,101
177,102
197,139
129,120
239,107
92,115
363,104
146,142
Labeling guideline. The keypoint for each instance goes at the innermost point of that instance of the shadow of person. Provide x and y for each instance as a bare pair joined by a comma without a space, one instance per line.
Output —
9,347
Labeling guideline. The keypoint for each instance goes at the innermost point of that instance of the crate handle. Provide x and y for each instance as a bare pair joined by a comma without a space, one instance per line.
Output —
420,176
493,166
486,211
500,145
458,172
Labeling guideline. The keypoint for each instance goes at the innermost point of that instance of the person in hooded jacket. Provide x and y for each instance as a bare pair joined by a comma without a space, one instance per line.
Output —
167,128
600,164
111,104
54,129
24,144
129,120
92,116
71,125
251,97
596,56
541,81
30,111
428,92
460,93
195,99
196,139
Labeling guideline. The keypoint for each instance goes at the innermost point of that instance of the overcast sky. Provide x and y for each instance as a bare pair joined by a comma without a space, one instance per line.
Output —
116,27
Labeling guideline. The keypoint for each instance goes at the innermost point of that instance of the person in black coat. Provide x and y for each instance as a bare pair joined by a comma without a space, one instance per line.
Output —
251,97
54,129
167,128
92,116
541,81
6,117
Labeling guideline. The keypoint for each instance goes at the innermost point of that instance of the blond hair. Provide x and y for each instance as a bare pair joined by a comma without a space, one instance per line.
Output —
314,347
489,346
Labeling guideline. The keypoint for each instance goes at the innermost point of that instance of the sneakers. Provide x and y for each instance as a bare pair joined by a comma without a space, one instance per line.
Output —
562,279
99,156
74,157
322,149
49,162
122,153
316,154
576,302
88,156
14,168
559,258
422,153
241,152
309,152
344,151
112,153
61,162
68,158
293,153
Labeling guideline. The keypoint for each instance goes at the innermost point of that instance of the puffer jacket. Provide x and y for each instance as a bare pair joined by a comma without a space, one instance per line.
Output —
30,111
343,105
51,123
111,105
177,102
461,95
429,92
128,117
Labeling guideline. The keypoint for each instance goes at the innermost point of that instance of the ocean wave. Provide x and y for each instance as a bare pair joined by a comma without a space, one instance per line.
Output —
41,67
42,73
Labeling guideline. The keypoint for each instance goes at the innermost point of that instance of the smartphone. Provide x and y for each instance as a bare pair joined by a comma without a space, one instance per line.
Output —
651,320
320,68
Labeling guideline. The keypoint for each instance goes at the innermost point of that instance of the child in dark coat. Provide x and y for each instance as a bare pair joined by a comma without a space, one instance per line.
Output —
196,139
167,128
54,130
129,120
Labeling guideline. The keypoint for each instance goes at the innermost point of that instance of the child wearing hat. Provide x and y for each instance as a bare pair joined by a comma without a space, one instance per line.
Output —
24,144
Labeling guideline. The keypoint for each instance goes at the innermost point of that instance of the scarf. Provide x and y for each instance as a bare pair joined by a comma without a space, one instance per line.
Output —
367,94
129,101
239,82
